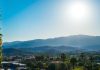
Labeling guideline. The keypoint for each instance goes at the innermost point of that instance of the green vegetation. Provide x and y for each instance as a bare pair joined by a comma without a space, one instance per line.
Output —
79,68
63,62
0,49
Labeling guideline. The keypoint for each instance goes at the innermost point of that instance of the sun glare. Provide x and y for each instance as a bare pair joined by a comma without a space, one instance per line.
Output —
76,14
78,10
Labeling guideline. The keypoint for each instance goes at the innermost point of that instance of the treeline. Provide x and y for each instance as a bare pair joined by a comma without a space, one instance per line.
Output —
63,62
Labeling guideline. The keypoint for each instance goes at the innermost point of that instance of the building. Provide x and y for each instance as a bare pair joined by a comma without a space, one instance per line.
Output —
13,66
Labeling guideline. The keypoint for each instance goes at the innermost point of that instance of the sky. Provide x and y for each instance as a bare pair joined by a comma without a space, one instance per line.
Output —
40,19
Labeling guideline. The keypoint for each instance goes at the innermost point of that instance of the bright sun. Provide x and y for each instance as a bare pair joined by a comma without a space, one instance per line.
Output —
76,15
78,10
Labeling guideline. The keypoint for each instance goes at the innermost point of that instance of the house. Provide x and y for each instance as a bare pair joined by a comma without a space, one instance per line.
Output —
13,65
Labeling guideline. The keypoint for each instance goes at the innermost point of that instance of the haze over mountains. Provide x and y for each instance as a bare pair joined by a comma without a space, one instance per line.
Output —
62,44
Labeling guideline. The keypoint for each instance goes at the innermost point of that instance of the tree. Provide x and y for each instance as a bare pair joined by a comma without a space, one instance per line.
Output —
73,62
0,49
52,66
0,38
62,66
95,67
63,57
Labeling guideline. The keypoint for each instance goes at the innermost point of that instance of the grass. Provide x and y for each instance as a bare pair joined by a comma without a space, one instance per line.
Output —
78,68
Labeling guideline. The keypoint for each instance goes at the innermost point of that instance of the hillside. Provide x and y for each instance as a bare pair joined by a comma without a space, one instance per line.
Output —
59,44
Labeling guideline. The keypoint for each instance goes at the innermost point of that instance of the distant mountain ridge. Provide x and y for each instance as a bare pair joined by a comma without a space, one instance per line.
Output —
59,44
74,40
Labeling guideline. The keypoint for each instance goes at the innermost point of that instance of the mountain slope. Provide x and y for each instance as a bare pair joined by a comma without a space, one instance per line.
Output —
43,49
74,40
53,46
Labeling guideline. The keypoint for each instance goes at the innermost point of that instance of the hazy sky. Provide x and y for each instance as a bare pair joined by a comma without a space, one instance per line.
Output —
35,19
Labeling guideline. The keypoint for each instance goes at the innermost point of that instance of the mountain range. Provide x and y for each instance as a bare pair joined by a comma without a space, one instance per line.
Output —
59,44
